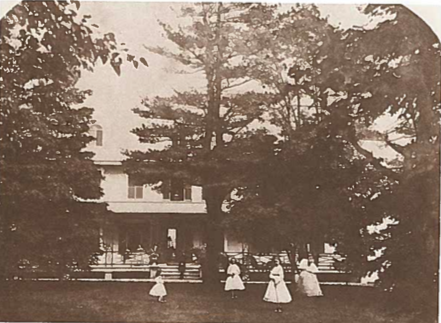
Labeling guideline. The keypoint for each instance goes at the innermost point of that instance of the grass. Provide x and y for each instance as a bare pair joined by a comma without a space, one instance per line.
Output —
130,302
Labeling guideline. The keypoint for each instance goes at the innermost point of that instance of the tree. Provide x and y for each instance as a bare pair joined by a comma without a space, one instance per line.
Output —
48,181
304,195
409,68
393,68
211,136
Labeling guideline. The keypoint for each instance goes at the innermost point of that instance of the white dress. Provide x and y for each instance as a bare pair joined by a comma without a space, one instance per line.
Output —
277,291
158,289
234,282
308,283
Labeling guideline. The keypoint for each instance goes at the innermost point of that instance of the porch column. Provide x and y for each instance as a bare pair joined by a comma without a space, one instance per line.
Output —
154,230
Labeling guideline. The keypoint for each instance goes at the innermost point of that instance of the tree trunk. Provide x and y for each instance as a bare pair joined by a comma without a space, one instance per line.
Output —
292,254
5,242
214,236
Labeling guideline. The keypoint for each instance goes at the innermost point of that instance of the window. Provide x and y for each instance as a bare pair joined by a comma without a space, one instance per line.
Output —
136,189
135,192
96,131
176,190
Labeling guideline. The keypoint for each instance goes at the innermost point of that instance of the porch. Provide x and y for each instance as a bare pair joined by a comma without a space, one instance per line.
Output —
255,267
136,245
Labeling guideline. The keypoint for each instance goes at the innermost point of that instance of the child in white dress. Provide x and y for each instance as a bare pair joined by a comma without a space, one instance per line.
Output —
158,290
234,282
308,283
277,291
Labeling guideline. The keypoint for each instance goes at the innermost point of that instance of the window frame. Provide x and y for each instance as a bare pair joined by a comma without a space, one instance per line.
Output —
169,188
97,132
135,191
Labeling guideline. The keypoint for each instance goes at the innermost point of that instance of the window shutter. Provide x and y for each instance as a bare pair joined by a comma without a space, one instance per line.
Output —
166,190
99,137
187,192
139,191
131,192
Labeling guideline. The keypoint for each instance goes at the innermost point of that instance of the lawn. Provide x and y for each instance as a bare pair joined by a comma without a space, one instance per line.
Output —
130,302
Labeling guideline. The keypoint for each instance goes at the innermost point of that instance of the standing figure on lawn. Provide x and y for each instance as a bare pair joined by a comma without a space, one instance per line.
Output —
277,291
158,290
308,283
234,282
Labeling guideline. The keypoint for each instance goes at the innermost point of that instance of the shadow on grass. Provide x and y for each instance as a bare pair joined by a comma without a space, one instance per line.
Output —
130,302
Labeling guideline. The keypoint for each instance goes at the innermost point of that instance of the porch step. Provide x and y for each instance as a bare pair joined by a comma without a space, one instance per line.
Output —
326,262
172,272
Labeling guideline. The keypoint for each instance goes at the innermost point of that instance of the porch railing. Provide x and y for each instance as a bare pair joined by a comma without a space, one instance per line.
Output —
112,258
253,262
260,262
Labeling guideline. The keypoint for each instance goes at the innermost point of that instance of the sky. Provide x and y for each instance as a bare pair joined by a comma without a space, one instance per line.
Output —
136,24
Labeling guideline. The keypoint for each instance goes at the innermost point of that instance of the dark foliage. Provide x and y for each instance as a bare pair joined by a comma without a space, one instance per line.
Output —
46,176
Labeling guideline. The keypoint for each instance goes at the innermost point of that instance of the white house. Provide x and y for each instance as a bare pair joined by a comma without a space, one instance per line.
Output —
143,217
170,221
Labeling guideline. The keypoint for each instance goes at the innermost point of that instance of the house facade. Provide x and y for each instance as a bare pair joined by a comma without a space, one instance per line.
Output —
144,219
148,225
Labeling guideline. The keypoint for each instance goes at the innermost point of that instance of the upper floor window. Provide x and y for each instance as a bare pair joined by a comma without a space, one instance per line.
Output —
97,132
136,189
176,190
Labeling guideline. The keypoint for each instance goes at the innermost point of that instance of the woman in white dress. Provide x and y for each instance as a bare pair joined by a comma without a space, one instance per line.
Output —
234,282
277,291
158,290
308,283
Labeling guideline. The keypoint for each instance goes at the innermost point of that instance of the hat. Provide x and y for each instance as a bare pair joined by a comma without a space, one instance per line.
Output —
303,264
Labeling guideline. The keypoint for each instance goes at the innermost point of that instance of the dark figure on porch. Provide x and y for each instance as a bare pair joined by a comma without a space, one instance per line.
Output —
154,255
181,265
170,243
126,255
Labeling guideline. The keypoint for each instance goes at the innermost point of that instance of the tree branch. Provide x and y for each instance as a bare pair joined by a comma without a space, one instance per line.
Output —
236,85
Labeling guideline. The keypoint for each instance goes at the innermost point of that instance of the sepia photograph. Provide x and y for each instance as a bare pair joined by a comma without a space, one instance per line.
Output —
219,162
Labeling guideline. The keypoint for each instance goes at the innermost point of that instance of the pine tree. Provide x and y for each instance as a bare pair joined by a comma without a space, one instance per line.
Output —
303,197
212,136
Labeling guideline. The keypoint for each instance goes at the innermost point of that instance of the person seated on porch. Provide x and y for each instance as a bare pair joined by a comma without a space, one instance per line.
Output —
154,255
308,283
139,253
233,282
126,255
